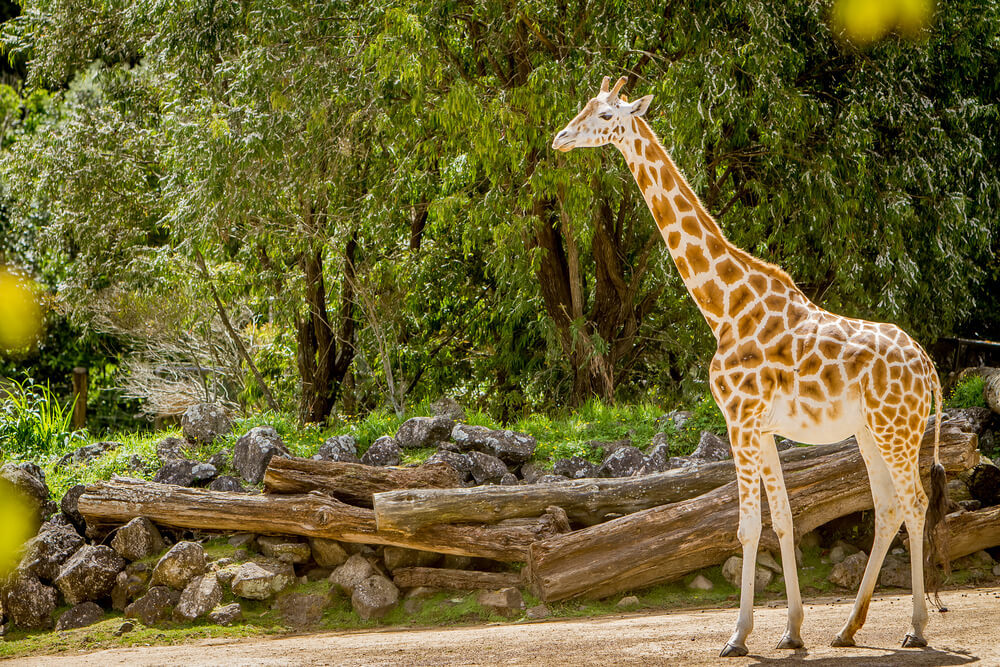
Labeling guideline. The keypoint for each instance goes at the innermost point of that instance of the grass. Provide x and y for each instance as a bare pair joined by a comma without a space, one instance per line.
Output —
968,393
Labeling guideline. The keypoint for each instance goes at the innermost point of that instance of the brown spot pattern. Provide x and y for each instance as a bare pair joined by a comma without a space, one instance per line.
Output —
709,297
695,256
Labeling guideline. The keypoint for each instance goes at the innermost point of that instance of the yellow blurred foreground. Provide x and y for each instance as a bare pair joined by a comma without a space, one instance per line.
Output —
20,313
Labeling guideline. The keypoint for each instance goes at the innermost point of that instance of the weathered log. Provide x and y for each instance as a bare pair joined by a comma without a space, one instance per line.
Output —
586,501
457,580
667,542
991,387
311,515
352,482
971,531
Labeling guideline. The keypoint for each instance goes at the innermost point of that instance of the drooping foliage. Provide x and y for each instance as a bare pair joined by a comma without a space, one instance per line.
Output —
366,192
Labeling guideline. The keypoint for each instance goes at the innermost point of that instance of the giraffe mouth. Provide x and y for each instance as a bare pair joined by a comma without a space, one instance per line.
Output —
564,142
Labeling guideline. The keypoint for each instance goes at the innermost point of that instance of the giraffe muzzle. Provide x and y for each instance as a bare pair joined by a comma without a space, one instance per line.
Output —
564,141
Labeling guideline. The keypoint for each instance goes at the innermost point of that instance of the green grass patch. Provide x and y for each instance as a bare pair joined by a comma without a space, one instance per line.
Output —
968,393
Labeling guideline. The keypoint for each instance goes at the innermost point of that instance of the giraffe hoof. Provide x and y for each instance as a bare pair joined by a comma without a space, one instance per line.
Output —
912,641
733,651
840,641
790,642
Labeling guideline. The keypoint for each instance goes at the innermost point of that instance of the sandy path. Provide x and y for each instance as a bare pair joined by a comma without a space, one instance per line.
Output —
969,633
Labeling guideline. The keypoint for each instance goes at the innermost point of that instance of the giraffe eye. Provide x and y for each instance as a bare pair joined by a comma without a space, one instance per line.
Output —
604,115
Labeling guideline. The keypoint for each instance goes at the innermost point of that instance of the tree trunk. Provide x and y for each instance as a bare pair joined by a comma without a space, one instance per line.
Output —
353,482
109,504
586,501
454,580
971,531
667,542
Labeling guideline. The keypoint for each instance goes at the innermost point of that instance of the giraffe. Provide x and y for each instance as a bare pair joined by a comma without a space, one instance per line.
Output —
785,366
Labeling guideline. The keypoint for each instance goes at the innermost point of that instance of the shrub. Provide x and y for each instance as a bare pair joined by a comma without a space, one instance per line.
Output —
968,393
33,424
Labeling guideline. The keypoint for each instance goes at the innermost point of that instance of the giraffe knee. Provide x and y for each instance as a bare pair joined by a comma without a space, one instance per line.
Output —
749,531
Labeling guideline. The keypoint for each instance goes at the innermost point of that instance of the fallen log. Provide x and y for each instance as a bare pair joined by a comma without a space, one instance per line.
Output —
586,501
352,482
113,503
971,531
667,542
456,580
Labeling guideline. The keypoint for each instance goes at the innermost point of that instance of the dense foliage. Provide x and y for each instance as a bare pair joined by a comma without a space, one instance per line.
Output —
342,206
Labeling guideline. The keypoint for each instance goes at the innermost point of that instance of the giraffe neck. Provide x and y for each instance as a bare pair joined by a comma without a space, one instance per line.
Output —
722,279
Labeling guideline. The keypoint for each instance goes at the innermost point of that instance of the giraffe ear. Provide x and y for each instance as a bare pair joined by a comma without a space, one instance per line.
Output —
639,107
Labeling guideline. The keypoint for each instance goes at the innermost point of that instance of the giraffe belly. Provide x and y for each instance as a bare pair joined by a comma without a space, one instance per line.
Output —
812,424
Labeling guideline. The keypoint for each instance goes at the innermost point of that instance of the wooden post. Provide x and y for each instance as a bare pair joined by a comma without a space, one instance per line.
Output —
79,398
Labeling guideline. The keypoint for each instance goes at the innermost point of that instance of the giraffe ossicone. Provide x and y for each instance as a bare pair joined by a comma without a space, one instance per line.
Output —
784,366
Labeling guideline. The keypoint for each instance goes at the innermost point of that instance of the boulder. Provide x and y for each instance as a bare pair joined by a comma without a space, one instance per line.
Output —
538,612
45,553
129,583
508,446
27,602
221,459
383,452
258,580
398,557
628,602
784,443
153,607
506,602
80,616
623,462
712,448
254,451
185,472
169,449
549,479
486,468
980,560
138,539
460,462
205,422
895,572
89,574
448,407
182,563
657,458
87,453
327,553
285,549
676,418
226,483
300,610
374,597
766,559
841,550
531,471
21,481
124,629
198,598
226,614
700,583
424,432
354,570
70,507
339,448
509,479
732,571
575,467
847,573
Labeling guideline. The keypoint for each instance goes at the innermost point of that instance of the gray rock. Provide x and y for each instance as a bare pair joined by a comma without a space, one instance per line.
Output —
374,597
184,472
205,422
182,563
227,483
383,452
398,557
339,448
80,616
841,550
327,553
505,602
448,407
847,573
538,612
240,540
285,549
153,607
87,453
732,571
460,462
424,432
128,585
258,580
701,583
895,572
784,443
766,559
89,574
508,446
124,628
226,614
509,479
680,462
980,560
70,507
138,539
354,570
45,553
530,472
623,462
20,480
27,602
628,602
548,479
486,468
254,451
675,417
575,467
198,598
300,610
169,449
221,459
712,448
657,459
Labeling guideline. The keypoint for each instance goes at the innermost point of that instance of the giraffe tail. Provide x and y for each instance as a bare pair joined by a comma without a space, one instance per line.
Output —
936,528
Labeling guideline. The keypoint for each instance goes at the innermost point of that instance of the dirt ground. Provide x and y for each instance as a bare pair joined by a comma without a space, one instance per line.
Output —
967,633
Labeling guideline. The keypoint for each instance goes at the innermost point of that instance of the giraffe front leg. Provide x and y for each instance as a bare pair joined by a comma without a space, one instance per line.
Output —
748,480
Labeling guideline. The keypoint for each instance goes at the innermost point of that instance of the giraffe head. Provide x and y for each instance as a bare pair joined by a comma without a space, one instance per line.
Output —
603,120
